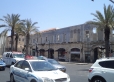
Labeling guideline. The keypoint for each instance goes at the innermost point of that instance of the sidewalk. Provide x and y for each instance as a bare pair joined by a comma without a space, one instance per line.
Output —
77,63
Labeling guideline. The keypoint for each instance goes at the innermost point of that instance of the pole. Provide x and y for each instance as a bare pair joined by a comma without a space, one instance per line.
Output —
49,50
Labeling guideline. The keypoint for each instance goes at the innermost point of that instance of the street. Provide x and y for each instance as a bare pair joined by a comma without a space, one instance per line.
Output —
77,73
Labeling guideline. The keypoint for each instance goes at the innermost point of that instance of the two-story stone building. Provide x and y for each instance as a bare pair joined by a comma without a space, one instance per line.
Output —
73,43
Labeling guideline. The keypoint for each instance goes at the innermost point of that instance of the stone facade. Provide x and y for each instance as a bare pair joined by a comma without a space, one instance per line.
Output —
20,46
74,43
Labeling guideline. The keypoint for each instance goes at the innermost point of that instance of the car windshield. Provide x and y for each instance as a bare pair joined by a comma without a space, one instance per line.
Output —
41,66
41,57
53,61
18,55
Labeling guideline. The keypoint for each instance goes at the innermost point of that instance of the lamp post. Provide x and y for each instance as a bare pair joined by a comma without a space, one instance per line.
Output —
49,48
36,49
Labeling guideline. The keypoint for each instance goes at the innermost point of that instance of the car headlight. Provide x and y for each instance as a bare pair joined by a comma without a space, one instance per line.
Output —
47,79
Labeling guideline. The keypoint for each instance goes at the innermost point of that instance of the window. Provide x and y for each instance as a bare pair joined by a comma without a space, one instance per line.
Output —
41,40
46,39
53,38
25,65
107,64
58,37
71,34
7,55
19,64
64,37
87,34
74,30
34,40
11,56
78,35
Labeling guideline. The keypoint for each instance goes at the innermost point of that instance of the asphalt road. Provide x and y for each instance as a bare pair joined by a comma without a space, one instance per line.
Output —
77,73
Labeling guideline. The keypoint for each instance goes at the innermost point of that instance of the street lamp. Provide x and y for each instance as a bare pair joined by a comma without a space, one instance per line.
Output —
49,49
36,49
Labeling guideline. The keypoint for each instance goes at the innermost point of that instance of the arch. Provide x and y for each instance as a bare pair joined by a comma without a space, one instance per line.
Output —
50,53
61,54
75,54
41,52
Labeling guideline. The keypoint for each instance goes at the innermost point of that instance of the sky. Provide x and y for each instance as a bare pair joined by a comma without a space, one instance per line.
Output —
53,13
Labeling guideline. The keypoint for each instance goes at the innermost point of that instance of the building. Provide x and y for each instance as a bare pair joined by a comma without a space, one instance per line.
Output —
20,46
75,43
78,43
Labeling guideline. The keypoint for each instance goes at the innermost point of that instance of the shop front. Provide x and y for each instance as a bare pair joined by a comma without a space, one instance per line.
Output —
75,54
42,52
61,54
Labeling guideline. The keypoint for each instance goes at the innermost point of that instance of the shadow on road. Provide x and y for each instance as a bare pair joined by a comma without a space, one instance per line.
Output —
7,81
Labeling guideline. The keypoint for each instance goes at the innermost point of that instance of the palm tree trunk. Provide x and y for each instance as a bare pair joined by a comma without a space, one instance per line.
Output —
107,34
27,43
12,34
16,43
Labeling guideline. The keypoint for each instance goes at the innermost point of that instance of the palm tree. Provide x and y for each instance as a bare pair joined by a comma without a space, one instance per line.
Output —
11,21
28,28
18,32
104,21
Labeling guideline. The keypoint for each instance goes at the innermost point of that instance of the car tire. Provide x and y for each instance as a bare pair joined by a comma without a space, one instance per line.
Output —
12,78
3,69
12,63
98,79
33,80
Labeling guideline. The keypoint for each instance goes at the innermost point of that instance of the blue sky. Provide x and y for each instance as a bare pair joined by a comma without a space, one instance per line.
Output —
53,13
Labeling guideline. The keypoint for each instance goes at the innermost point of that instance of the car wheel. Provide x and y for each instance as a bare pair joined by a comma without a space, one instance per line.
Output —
3,69
98,79
12,63
12,78
33,80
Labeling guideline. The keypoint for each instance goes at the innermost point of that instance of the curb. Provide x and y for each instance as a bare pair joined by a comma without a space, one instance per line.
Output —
75,63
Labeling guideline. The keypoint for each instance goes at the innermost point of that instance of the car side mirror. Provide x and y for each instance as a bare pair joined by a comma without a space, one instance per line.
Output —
27,69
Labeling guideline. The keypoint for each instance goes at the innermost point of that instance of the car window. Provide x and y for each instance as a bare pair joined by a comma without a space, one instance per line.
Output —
18,55
42,66
53,61
18,64
7,55
107,64
11,56
25,65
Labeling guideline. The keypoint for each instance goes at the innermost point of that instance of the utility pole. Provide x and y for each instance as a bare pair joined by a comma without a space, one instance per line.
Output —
49,48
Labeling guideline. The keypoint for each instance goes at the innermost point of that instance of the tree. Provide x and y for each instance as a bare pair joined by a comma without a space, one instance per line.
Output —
28,28
18,32
104,21
10,22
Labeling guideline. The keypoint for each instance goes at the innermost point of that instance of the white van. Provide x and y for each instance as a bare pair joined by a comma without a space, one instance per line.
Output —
11,58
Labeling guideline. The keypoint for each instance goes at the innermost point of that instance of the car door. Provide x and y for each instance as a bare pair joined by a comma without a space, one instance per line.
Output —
7,59
17,71
107,70
25,72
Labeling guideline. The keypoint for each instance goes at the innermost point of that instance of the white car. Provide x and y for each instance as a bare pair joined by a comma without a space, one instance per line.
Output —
36,71
102,70
11,58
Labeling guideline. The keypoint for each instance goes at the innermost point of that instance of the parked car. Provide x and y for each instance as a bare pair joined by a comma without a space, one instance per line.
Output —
36,71
2,65
102,70
11,58
57,65
42,58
